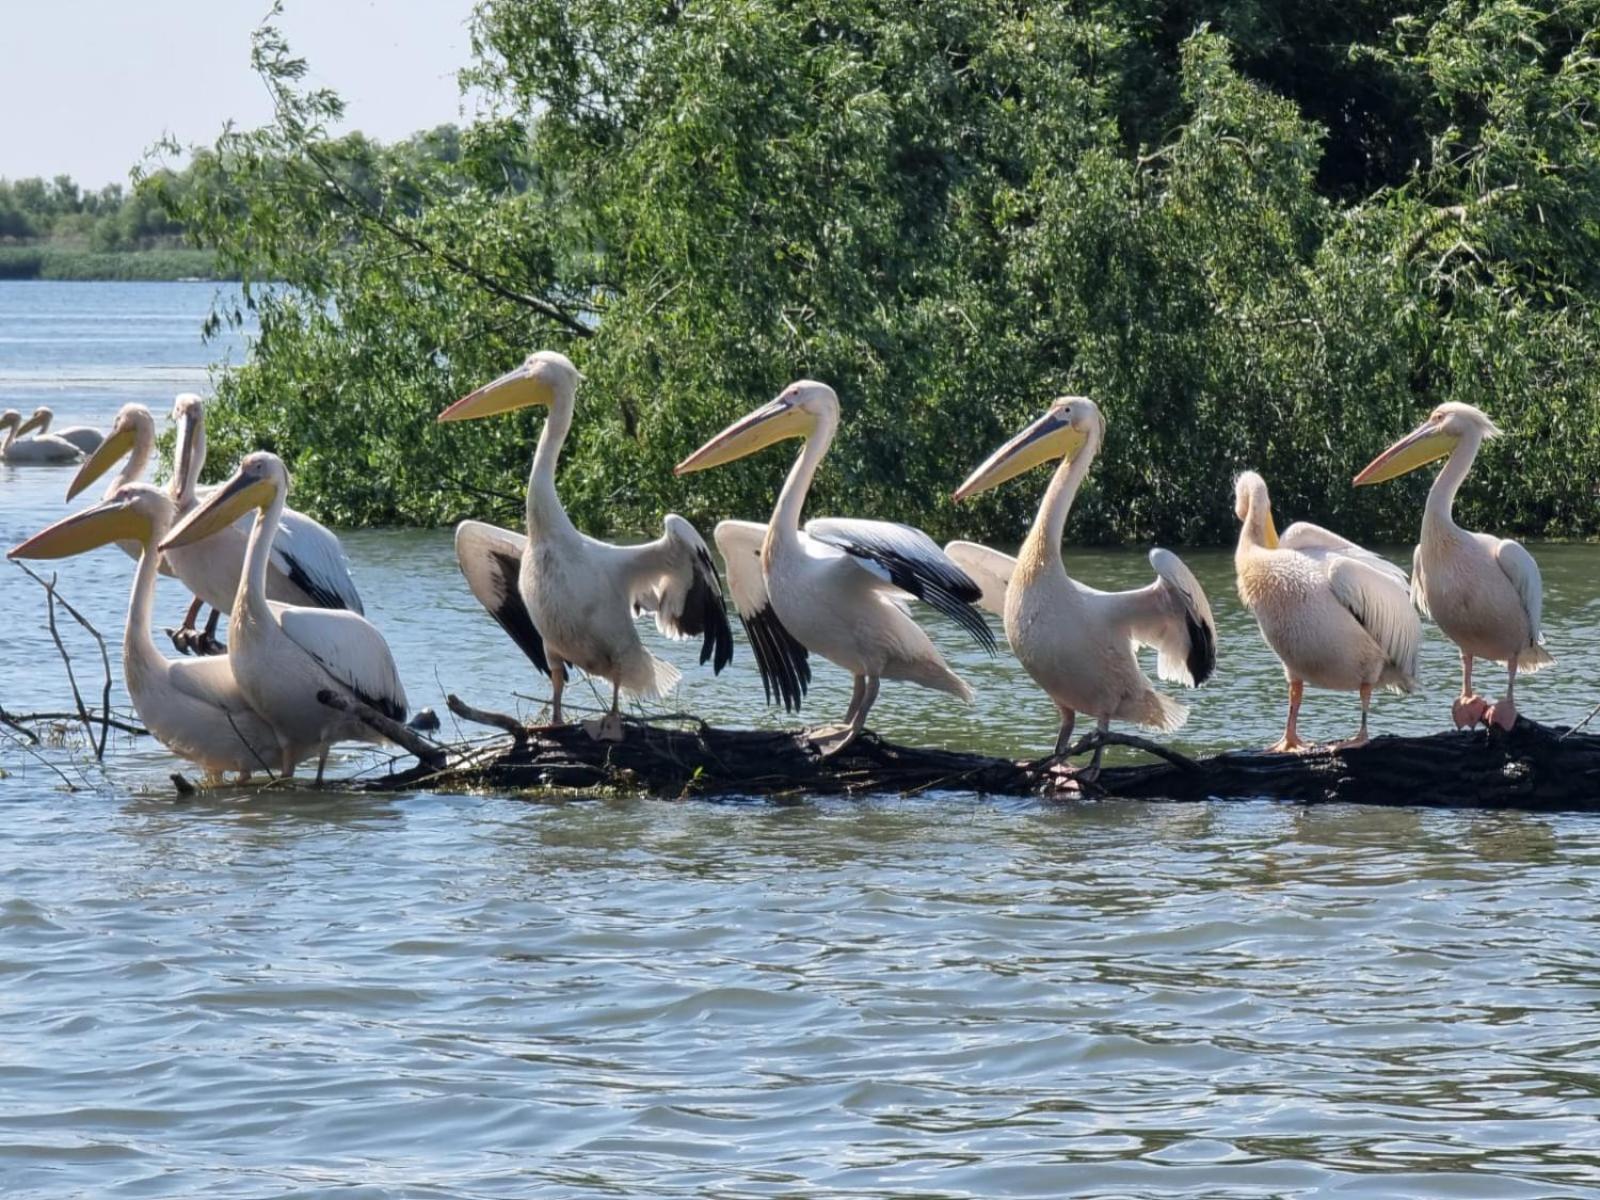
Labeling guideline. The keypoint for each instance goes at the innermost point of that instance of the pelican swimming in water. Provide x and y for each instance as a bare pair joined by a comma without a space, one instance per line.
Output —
836,588
1484,592
283,655
570,600
45,450
1080,644
1337,616
86,439
191,706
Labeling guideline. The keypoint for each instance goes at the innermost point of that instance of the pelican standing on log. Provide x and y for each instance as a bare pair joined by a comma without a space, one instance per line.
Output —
45,450
85,438
1485,592
1078,643
193,707
284,655
1337,616
838,586
568,599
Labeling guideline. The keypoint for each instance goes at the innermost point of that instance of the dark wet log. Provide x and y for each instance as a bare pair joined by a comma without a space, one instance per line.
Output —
1531,767
430,754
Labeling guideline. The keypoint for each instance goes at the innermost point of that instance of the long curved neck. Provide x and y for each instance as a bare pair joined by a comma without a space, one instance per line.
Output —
1442,495
252,594
139,653
1042,547
11,436
1256,532
545,514
792,499
190,461
138,459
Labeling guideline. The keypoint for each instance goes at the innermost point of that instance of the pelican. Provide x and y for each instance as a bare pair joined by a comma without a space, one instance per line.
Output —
132,433
569,600
307,568
42,450
1337,616
282,654
836,588
1080,644
81,436
1484,592
192,707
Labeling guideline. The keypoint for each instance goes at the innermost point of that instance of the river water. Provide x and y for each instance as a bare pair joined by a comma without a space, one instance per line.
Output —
284,993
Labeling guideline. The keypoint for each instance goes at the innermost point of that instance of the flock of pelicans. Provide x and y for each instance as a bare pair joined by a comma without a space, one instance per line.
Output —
1338,616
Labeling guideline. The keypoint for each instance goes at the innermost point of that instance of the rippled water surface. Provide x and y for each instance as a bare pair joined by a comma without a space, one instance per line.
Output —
279,993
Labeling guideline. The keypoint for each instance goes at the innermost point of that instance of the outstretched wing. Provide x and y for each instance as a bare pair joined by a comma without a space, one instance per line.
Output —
349,648
1174,616
990,569
314,561
783,662
675,578
908,559
1314,539
1381,603
1523,572
491,560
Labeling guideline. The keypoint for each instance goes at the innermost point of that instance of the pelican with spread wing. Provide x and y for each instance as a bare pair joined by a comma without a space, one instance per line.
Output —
569,600
838,587
1485,592
1337,616
1078,643
85,438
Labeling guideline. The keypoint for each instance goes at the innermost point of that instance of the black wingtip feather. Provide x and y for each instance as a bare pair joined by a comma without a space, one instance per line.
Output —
513,616
1202,660
782,661
321,596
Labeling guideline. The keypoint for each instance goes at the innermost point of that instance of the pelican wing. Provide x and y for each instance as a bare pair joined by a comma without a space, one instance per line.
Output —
990,569
1523,572
349,648
313,560
909,560
1419,587
675,578
1382,606
1315,540
491,560
783,662
1174,616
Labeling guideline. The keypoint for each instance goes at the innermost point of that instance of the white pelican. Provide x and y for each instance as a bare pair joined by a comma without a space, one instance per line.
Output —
567,599
1336,615
1080,644
83,437
837,588
132,433
283,655
1483,591
193,707
33,450
307,568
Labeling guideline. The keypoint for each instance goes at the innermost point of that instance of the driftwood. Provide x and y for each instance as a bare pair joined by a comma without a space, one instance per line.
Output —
1530,767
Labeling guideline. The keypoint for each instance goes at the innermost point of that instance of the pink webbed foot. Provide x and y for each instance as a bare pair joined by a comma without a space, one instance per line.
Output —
1503,713
1468,712
1288,744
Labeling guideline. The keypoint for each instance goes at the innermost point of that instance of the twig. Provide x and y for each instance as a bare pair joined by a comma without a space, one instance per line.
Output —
428,753
16,723
1096,738
55,635
1580,724
482,716
70,786
15,719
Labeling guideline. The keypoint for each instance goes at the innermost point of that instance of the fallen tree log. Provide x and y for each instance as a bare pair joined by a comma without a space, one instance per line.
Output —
1531,767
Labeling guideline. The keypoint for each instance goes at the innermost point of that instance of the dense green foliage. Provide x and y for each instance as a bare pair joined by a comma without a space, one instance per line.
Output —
1260,235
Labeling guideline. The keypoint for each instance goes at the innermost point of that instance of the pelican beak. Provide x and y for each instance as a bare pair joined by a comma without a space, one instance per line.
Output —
768,424
517,388
1051,438
1418,448
184,469
221,509
1271,536
34,422
112,521
102,460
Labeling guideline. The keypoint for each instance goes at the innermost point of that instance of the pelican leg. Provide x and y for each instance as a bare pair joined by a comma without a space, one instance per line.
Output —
322,763
1504,712
1069,718
831,739
1290,741
558,681
207,642
183,637
1360,738
1471,708
609,727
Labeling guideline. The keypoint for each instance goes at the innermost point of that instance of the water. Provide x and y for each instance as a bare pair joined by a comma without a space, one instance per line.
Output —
279,993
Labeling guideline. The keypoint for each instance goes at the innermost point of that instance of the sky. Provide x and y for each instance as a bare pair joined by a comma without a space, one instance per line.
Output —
89,85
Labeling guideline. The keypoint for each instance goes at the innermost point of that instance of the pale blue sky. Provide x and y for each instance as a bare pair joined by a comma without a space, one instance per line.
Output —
87,85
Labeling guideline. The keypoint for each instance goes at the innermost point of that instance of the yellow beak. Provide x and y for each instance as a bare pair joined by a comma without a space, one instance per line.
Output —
224,506
517,388
37,421
1049,439
755,431
1417,449
112,521
102,460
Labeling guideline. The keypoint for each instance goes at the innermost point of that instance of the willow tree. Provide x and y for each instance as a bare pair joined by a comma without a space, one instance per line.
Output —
1271,242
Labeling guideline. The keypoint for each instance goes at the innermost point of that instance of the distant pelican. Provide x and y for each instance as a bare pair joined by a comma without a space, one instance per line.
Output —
1078,643
1336,615
837,588
81,436
33,451
1483,591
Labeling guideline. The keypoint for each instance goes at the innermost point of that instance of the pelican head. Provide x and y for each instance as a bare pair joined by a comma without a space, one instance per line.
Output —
39,420
1068,425
1446,427
1251,500
794,414
539,379
135,512
133,423
260,479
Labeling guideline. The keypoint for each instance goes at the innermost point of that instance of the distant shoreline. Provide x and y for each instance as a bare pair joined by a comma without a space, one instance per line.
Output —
53,261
